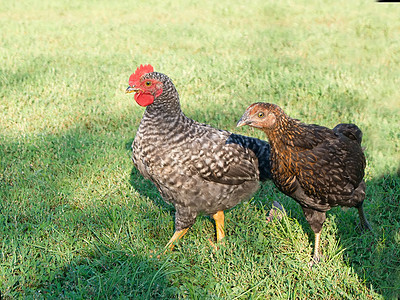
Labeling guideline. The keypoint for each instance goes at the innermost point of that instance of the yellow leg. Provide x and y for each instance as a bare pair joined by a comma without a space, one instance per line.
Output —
219,224
317,244
316,258
177,235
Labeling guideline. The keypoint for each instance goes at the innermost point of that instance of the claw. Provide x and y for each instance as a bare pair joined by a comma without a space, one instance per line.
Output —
277,212
177,235
364,225
315,260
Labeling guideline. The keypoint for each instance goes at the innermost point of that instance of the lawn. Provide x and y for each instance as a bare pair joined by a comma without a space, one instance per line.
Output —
77,221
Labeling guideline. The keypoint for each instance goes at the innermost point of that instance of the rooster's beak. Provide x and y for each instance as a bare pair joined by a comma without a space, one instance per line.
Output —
132,89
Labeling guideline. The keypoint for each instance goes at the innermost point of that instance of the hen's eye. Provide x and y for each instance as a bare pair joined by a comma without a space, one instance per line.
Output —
260,114
148,83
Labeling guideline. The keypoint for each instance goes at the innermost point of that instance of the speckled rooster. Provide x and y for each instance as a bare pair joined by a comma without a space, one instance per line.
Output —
197,168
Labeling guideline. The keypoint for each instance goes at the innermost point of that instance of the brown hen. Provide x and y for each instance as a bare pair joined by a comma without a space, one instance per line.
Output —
318,167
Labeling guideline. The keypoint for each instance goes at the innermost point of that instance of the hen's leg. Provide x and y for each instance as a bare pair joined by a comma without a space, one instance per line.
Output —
363,220
317,255
184,219
219,224
359,195
177,235
316,220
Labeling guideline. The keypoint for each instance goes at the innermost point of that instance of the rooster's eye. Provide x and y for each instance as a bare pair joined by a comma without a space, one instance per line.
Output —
148,83
260,114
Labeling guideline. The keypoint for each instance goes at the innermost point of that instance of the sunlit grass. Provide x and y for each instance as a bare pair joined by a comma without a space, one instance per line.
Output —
77,221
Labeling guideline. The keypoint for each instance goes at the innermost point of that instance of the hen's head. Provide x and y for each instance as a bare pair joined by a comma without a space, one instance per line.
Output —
265,116
147,85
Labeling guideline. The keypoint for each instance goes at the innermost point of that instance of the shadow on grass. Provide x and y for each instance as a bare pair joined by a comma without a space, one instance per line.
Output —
375,256
111,273
66,228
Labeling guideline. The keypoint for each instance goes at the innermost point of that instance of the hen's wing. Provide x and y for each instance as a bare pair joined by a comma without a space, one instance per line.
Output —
226,163
308,136
331,170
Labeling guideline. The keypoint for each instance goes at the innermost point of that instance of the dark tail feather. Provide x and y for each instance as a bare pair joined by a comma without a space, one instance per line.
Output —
260,148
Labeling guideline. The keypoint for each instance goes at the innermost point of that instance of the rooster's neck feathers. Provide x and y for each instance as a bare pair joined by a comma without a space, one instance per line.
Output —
167,104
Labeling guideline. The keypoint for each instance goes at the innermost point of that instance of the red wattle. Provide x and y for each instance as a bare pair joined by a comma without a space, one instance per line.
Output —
144,99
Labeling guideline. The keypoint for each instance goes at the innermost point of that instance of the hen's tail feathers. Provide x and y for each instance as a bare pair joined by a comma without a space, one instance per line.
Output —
260,148
351,131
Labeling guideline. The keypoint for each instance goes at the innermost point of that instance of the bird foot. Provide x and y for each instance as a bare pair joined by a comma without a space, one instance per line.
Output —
364,227
315,260
277,212
214,246
177,235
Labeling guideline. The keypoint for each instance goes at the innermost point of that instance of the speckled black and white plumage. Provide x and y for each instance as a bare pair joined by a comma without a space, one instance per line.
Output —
197,168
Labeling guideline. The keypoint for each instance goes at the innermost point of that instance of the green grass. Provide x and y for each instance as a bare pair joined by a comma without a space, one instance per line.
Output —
78,221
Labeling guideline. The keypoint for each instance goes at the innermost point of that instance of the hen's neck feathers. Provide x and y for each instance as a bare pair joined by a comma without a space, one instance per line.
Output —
291,133
285,129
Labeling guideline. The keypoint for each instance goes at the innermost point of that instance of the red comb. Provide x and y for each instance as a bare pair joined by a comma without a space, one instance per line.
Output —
135,77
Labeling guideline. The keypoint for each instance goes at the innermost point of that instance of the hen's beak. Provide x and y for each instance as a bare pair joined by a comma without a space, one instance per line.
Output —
244,120
132,89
